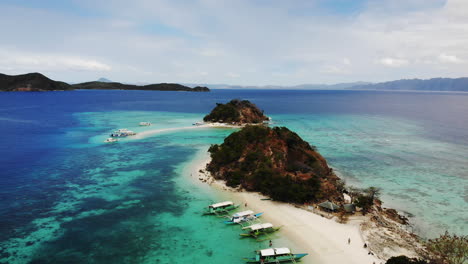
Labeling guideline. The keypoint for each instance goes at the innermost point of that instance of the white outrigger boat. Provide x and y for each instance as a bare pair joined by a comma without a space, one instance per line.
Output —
110,140
259,229
145,124
220,208
244,216
275,255
123,132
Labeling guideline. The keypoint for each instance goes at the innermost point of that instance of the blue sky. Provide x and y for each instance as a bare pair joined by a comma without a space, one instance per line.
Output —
245,42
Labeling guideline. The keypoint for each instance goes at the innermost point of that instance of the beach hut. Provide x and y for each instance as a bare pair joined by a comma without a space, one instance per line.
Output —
329,206
349,208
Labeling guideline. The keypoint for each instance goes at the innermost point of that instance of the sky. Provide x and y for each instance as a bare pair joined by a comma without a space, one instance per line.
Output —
238,42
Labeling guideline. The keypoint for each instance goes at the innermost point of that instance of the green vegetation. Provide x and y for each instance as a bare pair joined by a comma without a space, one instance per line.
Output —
268,160
404,260
449,249
236,111
223,113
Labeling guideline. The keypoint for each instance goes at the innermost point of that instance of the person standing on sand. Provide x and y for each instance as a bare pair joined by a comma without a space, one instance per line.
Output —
349,241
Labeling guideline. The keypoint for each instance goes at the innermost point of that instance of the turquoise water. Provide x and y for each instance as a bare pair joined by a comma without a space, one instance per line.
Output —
131,202
422,176
67,197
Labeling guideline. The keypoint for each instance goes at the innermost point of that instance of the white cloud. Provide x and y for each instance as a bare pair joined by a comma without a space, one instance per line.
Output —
25,61
178,40
449,59
393,62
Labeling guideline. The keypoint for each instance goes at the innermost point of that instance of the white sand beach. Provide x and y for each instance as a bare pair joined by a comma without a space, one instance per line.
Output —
153,132
325,240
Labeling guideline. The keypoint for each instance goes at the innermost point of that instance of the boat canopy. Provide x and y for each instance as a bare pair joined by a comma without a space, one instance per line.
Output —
258,226
222,204
244,213
274,251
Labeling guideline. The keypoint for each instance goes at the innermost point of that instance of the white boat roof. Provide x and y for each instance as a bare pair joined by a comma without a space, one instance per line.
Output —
258,226
226,203
274,251
244,213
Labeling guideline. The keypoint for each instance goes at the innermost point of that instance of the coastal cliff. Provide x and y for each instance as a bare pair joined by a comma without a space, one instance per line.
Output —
236,111
31,82
36,82
276,162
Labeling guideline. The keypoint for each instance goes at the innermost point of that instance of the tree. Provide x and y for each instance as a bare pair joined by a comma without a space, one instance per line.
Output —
450,249
373,192
404,260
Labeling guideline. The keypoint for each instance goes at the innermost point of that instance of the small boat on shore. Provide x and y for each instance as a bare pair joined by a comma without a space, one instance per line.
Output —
123,132
220,208
259,229
244,216
110,140
275,255
145,124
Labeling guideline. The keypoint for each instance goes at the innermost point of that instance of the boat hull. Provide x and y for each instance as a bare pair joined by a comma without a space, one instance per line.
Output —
231,222
221,211
260,233
283,259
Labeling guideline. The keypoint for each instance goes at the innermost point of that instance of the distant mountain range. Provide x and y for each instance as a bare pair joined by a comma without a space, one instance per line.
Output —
435,84
35,82
338,86
39,82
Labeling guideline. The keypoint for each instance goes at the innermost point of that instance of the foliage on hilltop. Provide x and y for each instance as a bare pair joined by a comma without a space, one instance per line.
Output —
236,111
274,161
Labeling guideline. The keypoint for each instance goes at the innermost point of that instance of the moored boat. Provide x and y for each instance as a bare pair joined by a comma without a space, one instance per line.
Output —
145,124
243,216
123,132
275,255
110,140
220,208
259,229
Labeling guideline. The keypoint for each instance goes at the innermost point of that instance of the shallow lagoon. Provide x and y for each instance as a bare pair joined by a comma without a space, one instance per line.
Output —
69,198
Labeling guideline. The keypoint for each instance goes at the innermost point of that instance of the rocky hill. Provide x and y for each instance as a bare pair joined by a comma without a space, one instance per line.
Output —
30,82
236,111
276,162
149,87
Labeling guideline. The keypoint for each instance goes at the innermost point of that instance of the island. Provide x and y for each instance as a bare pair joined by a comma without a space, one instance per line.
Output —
277,163
273,169
36,82
239,112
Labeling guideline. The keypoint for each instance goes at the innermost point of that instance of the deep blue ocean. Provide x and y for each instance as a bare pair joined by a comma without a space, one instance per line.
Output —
67,197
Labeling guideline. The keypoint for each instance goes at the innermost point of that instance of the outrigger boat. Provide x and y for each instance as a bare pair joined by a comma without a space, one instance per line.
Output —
123,132
110,140
145,123
275,255
259,229
245,216
220,208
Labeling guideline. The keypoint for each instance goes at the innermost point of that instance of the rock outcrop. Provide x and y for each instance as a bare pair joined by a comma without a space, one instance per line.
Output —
236,111
276,162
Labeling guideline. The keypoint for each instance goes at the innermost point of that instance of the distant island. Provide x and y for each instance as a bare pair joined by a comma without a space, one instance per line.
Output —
276,162
36,82
237,112
435,84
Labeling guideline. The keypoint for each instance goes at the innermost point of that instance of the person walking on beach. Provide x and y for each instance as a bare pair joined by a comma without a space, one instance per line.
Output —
245,204
349,241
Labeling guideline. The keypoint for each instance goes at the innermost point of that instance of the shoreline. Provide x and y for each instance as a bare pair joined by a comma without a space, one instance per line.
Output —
325,239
